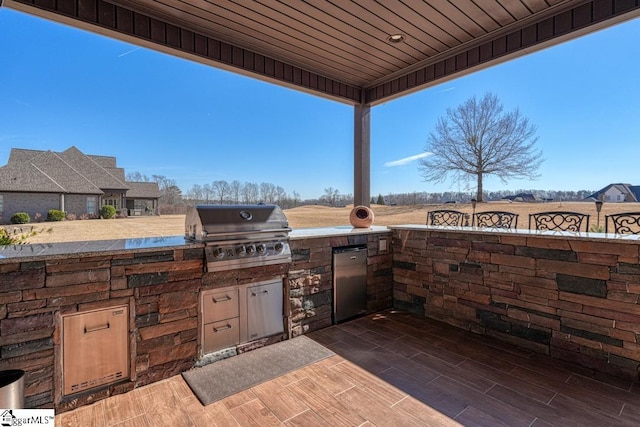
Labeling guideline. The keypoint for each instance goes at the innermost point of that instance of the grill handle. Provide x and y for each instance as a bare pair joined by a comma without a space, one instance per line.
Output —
238,233
96,328
223,299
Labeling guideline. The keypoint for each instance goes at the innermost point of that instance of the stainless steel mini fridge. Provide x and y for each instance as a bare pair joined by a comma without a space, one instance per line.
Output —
349,282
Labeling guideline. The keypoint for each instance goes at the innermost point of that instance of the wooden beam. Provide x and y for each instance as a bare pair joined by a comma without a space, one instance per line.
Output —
115,21
565,24
362,155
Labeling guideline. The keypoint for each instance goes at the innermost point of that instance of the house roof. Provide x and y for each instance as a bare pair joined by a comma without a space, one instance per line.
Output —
631,192
43,172
70,171
104,161
63,174
342,49
635,190
88,167
143,190
109,164
21,155
118,173
27,178
524,197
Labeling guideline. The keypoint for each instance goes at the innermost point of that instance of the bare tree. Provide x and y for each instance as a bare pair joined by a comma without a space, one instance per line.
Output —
250,192
234,190
267,192
220,189
281,194
137,177
170,193
331,195
207,192
477,139
195,194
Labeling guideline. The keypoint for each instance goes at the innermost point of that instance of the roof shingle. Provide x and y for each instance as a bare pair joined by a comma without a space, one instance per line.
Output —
70,171
143,190
92,170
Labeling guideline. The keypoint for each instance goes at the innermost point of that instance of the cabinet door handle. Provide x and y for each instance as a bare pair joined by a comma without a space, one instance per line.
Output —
223,299
96,328
254,294
222,328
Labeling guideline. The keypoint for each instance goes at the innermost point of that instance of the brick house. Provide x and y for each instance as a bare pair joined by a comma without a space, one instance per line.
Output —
35,181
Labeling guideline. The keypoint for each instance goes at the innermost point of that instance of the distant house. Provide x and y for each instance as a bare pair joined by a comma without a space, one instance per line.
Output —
35,181
522,197
617,193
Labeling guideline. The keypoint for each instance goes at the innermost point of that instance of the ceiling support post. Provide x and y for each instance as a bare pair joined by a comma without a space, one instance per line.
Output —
362,155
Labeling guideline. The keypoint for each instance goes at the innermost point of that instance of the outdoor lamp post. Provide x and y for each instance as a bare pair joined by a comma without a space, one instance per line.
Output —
473,208
598,209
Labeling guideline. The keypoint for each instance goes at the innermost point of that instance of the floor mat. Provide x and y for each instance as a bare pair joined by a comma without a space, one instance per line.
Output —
235,374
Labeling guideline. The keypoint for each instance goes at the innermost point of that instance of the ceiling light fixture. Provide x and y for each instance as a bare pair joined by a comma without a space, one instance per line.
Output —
395,38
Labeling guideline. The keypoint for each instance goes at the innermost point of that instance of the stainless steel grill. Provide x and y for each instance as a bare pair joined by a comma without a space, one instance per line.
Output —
240,236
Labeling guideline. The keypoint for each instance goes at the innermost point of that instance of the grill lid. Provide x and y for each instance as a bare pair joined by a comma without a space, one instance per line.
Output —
228,222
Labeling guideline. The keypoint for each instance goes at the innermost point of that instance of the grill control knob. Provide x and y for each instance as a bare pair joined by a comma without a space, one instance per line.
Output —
262,248
251,249
278,247
241,250
218,253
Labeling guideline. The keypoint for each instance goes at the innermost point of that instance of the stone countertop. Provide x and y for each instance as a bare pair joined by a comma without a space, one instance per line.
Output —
102,247
36,251
598,237
347,230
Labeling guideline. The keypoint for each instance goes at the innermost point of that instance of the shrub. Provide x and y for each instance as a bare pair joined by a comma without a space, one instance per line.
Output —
20,218
55,215
70,217
107,212
596,228
18,236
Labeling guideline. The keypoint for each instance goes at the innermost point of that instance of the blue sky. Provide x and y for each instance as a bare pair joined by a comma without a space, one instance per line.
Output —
161,115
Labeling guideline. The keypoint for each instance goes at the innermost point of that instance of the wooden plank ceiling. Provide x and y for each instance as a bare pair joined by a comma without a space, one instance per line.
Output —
338,48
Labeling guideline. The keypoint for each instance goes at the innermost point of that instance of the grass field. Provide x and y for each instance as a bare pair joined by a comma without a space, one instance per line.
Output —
301,217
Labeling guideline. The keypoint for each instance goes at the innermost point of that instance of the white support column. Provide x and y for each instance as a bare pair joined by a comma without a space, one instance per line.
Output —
362,156
62,202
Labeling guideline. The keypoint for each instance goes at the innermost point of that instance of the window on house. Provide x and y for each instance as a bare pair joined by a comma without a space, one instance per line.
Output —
91,205
111,202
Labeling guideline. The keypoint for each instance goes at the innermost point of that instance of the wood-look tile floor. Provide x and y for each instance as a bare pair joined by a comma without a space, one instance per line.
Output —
392,369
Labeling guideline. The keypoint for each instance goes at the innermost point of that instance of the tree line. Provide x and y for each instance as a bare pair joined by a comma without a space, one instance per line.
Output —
421,198
174,201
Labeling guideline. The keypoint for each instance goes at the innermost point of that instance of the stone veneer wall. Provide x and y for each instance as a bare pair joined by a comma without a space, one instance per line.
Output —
311,278
163,289
572,298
